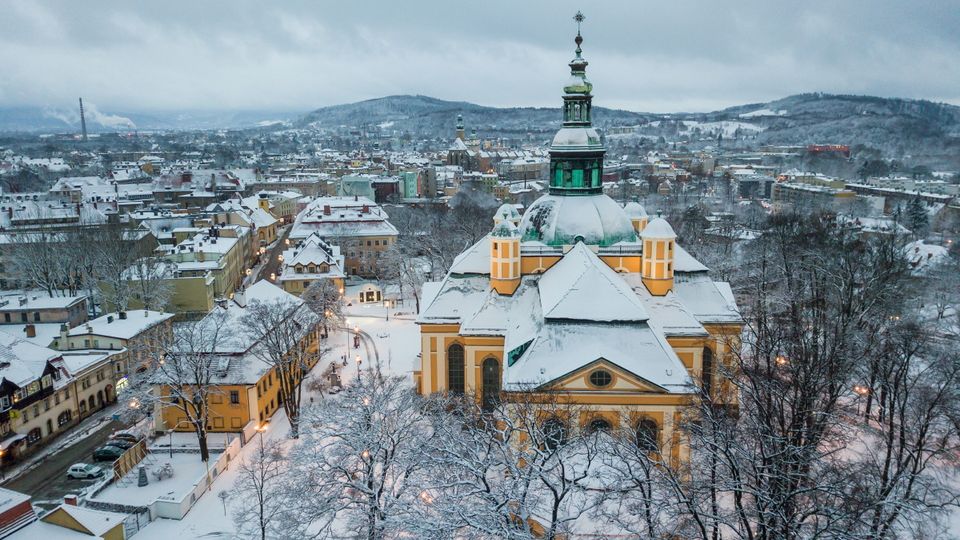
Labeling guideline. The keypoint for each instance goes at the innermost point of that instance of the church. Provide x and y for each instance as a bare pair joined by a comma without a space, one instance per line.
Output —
581,298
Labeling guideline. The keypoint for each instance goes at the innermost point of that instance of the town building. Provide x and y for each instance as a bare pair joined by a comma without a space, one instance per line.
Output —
34,308
248,388
310,260
581,301
358,226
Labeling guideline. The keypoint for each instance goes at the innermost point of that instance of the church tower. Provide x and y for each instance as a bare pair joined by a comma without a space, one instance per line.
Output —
460,132
656,268
576,154
504,256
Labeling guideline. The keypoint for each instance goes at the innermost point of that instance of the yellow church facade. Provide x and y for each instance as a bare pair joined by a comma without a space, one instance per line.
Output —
581,301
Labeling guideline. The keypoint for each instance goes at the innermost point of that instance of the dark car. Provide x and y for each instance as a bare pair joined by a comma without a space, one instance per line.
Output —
120,443
108,453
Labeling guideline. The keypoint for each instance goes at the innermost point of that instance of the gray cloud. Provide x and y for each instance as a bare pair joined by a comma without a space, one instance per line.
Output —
652,56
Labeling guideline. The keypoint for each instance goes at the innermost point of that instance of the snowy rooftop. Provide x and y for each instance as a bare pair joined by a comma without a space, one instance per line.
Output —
581,287
559,220
79,361
111,325
21,302
22,362
560,348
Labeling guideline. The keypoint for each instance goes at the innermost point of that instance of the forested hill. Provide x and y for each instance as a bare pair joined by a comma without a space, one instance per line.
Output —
898,128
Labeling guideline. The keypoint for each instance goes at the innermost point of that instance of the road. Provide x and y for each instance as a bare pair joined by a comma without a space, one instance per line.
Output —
272,265
48,482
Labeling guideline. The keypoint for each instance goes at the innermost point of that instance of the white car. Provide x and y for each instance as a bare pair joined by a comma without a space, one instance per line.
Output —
83,470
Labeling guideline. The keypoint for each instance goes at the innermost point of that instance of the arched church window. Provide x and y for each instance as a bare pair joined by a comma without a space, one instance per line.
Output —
455,369
491,384
599,424
706,371
648,435
554,433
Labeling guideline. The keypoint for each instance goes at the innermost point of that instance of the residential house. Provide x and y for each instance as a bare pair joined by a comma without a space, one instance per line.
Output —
357,225
309,260
248,388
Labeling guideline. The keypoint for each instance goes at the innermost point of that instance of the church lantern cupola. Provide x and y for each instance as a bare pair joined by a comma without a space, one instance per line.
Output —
659,243
505,256
576,154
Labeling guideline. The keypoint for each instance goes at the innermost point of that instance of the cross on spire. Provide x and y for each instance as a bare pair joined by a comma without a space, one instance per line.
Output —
579,18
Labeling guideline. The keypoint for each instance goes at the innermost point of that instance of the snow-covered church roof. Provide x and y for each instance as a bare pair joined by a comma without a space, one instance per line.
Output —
581,287
562,220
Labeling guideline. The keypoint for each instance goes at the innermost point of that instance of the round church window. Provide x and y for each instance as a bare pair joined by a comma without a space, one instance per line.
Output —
601,377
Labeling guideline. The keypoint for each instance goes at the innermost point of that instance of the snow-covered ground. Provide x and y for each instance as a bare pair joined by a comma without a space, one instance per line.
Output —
397,343
763,112
924,256
187,467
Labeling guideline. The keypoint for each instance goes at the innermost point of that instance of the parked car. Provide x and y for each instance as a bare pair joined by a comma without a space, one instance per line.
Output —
84,470
120,443
108,453
126,436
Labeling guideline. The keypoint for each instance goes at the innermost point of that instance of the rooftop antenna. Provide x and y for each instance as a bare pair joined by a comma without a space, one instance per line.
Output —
83,123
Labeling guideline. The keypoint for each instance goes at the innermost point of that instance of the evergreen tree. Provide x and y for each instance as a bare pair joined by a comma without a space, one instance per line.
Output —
917,216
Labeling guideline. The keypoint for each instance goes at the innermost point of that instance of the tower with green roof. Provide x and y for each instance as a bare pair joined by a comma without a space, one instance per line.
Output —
576,154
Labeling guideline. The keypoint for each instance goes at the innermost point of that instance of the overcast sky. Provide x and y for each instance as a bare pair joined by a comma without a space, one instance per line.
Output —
647,56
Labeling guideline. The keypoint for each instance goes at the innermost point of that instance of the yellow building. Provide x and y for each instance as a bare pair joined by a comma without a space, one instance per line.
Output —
247,389
68,521
583,302
219,252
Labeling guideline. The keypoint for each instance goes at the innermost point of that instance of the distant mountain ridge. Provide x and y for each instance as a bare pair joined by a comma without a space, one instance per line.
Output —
893,127
421,114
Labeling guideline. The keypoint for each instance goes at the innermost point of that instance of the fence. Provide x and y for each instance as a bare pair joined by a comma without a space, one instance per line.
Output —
175,507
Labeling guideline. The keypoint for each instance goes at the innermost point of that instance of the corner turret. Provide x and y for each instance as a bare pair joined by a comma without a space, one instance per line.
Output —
638,216
656,269
505,256
506,212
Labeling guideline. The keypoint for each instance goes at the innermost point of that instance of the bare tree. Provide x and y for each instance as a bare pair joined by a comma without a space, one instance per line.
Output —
148,282
115,251
326,300
284,335
261,502
353,471
523,469
912,444
37,259
184,372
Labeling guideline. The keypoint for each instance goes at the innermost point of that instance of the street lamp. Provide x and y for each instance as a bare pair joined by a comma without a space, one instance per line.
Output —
261,428
346,334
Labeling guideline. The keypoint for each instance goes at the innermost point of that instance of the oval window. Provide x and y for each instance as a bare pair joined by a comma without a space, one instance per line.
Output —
601,377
